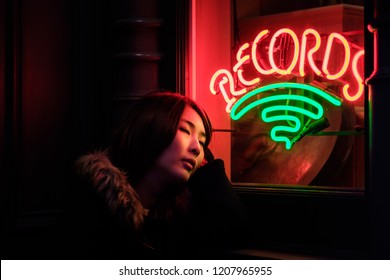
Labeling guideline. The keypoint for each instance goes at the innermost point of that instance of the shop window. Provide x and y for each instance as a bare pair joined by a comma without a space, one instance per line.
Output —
295,96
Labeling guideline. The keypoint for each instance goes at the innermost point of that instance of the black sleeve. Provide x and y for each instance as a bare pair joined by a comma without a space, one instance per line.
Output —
218,217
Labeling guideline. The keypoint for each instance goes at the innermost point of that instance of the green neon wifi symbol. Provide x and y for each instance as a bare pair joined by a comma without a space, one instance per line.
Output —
283,107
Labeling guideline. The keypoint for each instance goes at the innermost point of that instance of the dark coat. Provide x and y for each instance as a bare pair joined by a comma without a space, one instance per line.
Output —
105,218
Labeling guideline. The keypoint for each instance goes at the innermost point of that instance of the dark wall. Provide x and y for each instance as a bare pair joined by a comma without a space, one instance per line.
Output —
50,100
65,69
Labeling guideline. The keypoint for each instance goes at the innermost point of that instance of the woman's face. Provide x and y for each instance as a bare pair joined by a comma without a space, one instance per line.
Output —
186,152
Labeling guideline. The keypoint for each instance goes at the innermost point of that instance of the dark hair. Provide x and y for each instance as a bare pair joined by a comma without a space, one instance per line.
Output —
148,129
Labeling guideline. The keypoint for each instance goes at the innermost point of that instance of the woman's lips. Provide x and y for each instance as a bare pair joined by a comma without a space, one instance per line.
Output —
189,163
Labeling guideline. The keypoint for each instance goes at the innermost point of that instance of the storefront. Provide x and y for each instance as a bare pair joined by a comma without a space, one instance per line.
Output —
287,88
296,92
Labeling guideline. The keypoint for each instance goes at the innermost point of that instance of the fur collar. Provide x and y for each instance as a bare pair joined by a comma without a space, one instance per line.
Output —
111,183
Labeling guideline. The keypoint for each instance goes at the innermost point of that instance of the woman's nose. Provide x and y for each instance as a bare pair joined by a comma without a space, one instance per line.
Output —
195,147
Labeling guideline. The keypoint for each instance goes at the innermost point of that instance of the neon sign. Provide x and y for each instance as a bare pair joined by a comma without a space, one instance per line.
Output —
275,111
284,55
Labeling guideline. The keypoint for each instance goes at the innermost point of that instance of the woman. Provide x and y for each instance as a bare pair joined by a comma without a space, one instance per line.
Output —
158,191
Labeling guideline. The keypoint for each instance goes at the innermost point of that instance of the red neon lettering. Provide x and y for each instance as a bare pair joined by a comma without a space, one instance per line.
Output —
224,82
359,79
347,56
225,79
271,51
310,52
254,55
240,61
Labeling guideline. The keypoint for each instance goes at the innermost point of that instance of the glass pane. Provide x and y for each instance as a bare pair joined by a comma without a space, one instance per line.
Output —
295,94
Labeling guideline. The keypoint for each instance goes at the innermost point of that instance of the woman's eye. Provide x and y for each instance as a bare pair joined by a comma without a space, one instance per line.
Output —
184,130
